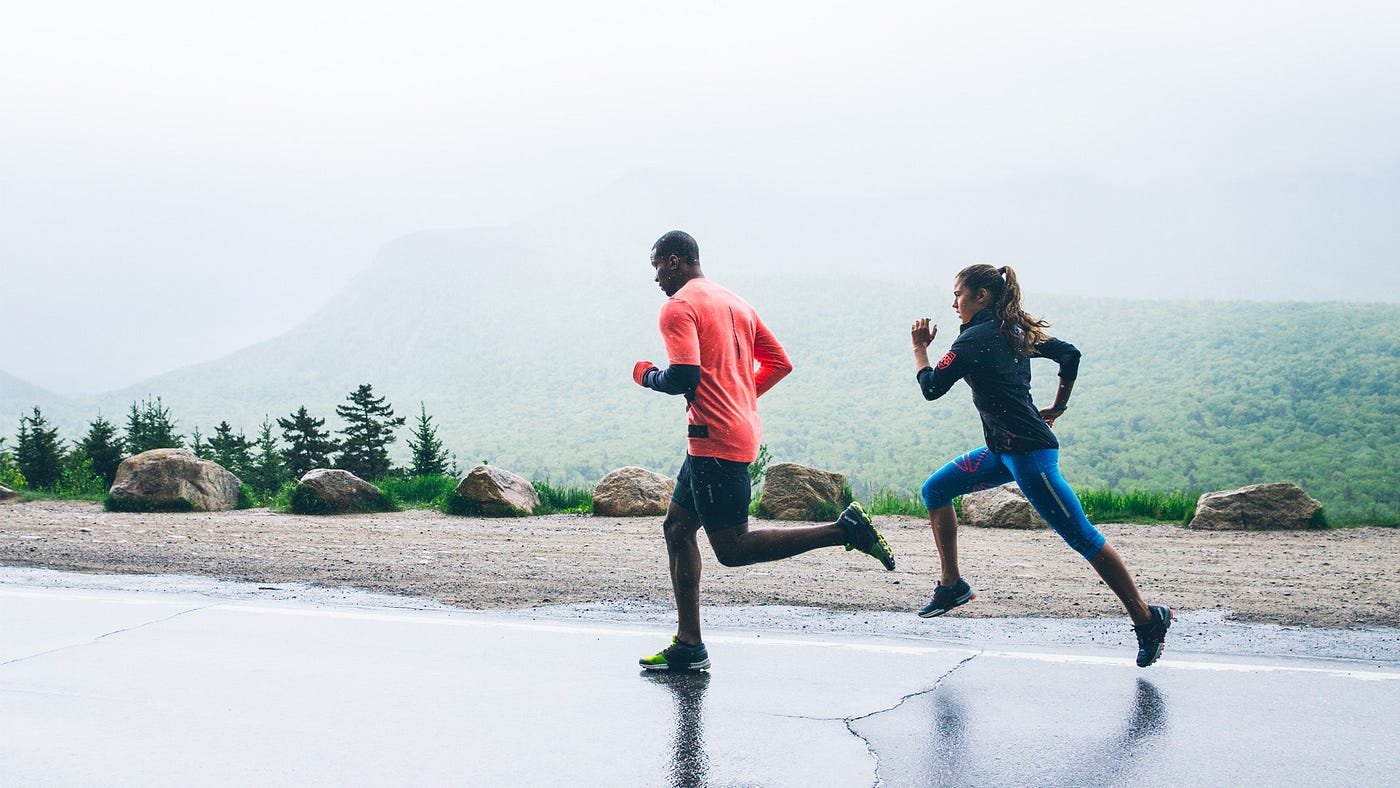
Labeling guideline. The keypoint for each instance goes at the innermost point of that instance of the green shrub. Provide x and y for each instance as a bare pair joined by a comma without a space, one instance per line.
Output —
115,504
304,500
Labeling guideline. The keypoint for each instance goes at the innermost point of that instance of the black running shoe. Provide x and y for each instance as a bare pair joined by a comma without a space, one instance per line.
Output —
862,536
946,598
678,656
1152,636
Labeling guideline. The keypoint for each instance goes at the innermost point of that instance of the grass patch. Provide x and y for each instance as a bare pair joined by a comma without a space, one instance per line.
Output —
1138,506
886,501
419,492
563,500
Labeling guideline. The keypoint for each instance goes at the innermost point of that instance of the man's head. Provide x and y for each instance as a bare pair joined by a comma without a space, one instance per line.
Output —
676,259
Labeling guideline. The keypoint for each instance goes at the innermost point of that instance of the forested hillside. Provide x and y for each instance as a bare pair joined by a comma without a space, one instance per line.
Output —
523,355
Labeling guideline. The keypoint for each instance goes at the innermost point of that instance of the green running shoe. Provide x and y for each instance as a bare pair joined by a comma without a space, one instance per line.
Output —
678,656
862,536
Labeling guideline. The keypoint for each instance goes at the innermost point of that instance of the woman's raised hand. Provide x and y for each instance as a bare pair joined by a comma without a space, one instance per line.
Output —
923,333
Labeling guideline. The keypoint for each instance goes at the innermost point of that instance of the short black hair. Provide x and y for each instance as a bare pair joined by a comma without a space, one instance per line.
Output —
680,244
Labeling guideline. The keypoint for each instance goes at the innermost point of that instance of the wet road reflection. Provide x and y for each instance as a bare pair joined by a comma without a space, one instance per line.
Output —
690,764
944,737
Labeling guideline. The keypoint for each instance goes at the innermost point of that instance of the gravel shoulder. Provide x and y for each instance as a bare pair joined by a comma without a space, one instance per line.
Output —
1339,579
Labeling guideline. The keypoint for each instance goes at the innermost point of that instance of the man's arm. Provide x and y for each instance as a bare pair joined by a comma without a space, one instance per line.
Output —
675,379
773,361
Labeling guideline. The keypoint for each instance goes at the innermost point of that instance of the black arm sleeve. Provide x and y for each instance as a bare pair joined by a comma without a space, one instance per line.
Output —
1062,353
675,379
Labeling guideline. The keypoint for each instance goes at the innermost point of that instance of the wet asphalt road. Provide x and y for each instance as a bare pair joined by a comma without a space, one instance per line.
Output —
225,684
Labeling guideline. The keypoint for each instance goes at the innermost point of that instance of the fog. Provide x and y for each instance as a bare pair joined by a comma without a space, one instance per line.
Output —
179,181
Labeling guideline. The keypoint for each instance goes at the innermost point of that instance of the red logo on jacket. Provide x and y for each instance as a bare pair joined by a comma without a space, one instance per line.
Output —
947,360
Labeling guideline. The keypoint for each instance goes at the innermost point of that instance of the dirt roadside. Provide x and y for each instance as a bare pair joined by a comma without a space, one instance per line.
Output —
1342,578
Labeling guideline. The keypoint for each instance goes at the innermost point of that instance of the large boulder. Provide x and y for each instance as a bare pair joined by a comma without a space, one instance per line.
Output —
1000,507
632,492
172,480
496,491
797,492
1256,507
334,491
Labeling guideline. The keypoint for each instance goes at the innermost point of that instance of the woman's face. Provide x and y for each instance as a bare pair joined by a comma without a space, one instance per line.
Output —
968,304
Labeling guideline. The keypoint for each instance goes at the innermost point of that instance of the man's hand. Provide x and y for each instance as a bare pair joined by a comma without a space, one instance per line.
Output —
923,333
640,370
1050,414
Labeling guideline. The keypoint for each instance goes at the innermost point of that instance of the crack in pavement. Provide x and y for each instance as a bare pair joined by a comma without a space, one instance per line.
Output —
106,635
869,747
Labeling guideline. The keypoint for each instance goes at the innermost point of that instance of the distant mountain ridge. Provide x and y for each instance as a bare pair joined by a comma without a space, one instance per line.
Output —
520,343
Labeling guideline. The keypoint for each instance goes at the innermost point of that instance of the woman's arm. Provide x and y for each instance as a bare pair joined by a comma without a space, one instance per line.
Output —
1067,356
922,333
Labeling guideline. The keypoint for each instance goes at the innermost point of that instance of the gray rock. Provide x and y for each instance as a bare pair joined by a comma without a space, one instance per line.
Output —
1000,507
797,492
498,492
173,479
341,492
1257,507
632,492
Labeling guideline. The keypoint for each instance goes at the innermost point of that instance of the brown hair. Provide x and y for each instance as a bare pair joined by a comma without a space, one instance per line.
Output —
1019,328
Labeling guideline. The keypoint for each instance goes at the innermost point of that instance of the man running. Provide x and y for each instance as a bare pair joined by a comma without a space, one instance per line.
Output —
722,358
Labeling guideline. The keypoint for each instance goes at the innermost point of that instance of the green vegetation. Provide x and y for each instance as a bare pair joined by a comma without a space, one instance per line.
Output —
1137,506
1172,395
114,504
429,491
302,499
891,502
369,429
308,446
563,499
149,426
429,458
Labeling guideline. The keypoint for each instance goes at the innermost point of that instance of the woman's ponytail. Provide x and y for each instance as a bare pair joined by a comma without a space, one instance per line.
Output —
1023,331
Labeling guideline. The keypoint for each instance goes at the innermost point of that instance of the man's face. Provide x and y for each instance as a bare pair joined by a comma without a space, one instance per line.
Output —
668,273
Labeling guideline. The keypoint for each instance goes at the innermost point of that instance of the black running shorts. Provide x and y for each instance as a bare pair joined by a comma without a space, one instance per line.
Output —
718,491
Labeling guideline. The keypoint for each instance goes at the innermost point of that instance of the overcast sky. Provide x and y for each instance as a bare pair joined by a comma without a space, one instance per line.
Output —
179,180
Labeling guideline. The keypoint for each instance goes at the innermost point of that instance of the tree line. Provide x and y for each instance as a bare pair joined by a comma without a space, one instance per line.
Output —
41,461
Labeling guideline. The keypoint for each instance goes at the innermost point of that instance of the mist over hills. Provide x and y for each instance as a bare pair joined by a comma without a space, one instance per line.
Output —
520,340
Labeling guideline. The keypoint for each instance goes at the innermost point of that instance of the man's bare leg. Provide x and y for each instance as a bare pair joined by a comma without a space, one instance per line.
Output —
684,554
740,545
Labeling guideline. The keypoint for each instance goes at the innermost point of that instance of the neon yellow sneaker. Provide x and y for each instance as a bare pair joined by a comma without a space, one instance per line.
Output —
678,656
862,536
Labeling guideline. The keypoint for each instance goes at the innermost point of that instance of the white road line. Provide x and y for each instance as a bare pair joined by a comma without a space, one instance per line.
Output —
429,617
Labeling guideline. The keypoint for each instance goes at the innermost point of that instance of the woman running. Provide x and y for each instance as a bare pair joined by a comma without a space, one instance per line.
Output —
993,352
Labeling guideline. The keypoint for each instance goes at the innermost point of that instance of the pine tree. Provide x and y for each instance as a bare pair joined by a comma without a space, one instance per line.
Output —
104,448
149,426
199,445
368,431
266,473
230,450
308,446
429,457
38,451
